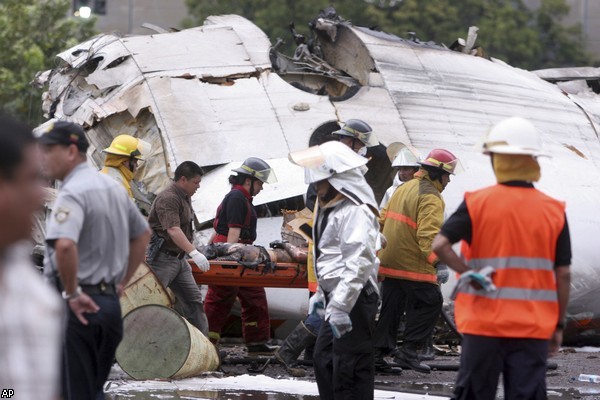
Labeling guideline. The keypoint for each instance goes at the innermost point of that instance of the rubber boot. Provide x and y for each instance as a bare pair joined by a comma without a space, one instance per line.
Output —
290,350
260,349
407,357
428,352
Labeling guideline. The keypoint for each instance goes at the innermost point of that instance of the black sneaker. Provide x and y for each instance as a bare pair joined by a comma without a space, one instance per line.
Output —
261,349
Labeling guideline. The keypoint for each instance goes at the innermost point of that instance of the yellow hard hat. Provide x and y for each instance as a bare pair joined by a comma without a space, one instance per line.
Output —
126,145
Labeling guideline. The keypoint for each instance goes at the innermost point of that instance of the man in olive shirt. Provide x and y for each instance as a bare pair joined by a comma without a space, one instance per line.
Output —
171,219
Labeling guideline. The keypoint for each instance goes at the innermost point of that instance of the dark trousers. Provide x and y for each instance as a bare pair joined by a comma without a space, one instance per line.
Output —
522,363
423,306
393,305
344,368
256,326
89,350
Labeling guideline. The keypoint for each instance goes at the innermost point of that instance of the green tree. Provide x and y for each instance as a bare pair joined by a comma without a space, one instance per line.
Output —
32,33
507,28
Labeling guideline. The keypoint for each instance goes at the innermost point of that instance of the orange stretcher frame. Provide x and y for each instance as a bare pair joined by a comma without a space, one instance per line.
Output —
230,273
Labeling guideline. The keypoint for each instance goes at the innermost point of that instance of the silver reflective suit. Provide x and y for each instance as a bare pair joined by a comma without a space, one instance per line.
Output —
348,243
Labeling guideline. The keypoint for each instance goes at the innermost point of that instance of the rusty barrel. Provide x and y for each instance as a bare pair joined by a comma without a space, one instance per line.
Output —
143,288
158,343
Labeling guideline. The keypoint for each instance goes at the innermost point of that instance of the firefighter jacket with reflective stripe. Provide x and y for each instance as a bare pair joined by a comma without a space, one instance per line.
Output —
410,221
515,230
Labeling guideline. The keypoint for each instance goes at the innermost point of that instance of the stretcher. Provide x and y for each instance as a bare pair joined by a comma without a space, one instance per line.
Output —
231,273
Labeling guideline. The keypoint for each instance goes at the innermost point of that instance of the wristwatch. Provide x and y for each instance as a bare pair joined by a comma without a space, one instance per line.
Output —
560,325
73,295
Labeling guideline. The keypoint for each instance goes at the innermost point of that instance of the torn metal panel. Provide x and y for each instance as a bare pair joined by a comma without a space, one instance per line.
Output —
254,39
568,74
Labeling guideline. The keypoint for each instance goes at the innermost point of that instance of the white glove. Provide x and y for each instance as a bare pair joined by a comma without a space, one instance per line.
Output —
316,305
340,322
199,260
442,273
480,280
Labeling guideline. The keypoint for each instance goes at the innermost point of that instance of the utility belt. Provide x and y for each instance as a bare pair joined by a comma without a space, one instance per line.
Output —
156,246
100,288
177,254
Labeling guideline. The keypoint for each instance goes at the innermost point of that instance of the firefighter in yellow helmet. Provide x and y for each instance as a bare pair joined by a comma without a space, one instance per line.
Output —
121,163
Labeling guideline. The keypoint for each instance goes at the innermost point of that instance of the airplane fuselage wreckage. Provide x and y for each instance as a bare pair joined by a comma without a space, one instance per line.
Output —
219,93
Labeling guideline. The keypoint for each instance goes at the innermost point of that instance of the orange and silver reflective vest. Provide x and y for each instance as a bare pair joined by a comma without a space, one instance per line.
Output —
514,230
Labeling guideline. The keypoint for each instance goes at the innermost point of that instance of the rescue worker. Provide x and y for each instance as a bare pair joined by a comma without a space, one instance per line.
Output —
121,163
406,161
410,222
519,253
346,266
95,240
358,136
171,219
393,303
235,222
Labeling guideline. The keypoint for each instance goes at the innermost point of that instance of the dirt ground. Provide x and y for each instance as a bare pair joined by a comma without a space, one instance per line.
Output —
561,377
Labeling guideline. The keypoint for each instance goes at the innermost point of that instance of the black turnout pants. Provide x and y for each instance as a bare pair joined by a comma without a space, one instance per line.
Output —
393,305
89,350
344,367
423,306
522,363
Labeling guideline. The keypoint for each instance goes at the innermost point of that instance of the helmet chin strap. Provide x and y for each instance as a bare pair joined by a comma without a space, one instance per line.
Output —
251,190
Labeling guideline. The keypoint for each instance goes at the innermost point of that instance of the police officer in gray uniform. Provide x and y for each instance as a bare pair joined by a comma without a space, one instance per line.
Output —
96,239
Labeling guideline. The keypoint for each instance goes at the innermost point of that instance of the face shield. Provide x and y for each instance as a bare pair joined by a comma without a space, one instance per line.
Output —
143,150
452,167
265,176
324,161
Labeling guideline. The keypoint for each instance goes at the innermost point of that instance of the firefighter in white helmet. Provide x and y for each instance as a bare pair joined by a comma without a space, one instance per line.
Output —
406,160
346,266
121,163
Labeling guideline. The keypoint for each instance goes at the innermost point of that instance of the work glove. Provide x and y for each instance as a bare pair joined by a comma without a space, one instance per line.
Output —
340,322
442,273
278,244
481,279
316,305
199,260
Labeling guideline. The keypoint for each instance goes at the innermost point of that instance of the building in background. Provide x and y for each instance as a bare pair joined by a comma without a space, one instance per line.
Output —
587,14
127,16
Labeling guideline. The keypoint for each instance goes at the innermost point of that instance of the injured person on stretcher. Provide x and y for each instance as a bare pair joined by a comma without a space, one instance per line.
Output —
251,255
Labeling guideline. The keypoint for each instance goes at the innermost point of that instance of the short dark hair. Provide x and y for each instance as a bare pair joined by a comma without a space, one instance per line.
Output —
188,169
14,137
239,179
